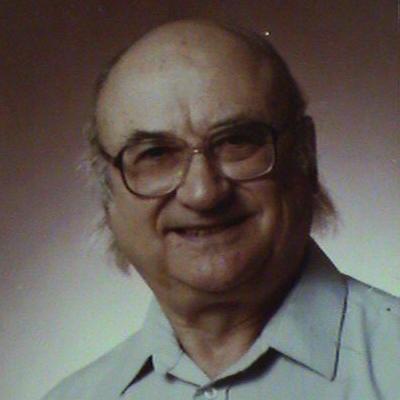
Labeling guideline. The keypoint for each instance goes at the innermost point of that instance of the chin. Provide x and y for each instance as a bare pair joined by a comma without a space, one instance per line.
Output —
222,271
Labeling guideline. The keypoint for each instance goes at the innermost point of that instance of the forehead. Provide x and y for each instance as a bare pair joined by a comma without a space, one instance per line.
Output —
184,87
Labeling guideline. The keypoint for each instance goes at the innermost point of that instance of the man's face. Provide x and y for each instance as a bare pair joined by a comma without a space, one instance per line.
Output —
211,234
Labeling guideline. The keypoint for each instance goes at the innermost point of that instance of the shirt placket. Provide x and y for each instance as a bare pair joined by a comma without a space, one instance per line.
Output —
211,393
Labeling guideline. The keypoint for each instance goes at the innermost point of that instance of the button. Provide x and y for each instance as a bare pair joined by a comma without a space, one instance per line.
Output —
210,393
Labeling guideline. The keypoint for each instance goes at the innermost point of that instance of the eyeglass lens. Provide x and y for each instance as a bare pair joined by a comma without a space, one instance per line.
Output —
153,167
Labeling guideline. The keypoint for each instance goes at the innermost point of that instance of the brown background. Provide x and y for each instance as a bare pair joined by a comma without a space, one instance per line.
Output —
61,306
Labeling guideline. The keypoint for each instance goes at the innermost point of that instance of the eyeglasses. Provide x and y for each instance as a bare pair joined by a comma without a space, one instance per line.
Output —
154,165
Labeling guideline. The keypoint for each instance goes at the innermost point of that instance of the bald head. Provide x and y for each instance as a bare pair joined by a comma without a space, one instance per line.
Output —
188,44
188,77
186,39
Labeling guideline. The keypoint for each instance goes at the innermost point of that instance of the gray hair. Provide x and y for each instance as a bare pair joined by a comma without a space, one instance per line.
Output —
323,209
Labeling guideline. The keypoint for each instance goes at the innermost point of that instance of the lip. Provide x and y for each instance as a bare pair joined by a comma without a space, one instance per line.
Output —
205,231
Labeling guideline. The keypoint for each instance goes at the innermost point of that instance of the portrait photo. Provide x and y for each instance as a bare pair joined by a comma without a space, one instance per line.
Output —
200,200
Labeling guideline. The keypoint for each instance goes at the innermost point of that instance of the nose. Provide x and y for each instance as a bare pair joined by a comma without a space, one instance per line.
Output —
203,189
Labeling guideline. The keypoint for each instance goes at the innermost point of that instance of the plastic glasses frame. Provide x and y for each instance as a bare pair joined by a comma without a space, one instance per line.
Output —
117,161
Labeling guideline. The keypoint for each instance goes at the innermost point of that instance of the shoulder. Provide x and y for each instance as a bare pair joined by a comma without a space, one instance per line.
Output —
370,340
104,378
372,318
371,302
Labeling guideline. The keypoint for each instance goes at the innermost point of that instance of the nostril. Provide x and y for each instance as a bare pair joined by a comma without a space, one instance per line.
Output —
204,194
202,187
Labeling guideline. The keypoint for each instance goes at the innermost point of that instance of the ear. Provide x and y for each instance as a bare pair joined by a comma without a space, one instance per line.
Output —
308,149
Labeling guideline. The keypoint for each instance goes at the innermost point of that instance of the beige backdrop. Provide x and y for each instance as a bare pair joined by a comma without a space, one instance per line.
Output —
61,302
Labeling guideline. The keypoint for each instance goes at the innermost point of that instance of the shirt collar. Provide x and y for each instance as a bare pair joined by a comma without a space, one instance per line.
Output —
306,327
160,340
156,342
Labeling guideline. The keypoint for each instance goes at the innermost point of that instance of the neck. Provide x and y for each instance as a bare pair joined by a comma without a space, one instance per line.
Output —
216,339
217,331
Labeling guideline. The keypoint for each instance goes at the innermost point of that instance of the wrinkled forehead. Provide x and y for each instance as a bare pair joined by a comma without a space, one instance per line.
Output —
184,80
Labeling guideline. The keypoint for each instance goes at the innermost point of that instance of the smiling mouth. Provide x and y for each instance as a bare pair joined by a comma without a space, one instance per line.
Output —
207,230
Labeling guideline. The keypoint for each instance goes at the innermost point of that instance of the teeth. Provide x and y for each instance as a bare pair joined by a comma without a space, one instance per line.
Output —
203,231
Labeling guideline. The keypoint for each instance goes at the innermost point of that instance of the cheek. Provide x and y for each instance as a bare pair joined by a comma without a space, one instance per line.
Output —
284,210
133,223
264,197
128,213
138,242
296,216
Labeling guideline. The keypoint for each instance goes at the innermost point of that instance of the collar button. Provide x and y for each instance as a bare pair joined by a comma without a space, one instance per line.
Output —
210,393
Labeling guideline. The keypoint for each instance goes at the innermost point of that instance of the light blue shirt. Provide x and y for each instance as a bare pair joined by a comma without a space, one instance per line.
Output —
333,338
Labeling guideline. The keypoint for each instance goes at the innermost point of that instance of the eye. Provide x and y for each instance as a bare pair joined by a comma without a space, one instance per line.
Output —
237,140
150,155
241,142
248,134
155,152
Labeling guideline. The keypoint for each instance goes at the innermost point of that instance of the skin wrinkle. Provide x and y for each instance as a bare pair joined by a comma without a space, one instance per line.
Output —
323,209
203,283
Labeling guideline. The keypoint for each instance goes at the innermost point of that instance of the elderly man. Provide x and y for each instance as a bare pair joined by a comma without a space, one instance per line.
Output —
209,160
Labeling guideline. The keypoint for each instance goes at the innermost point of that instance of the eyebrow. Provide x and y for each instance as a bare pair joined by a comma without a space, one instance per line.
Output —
230,122
239,119
139,135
